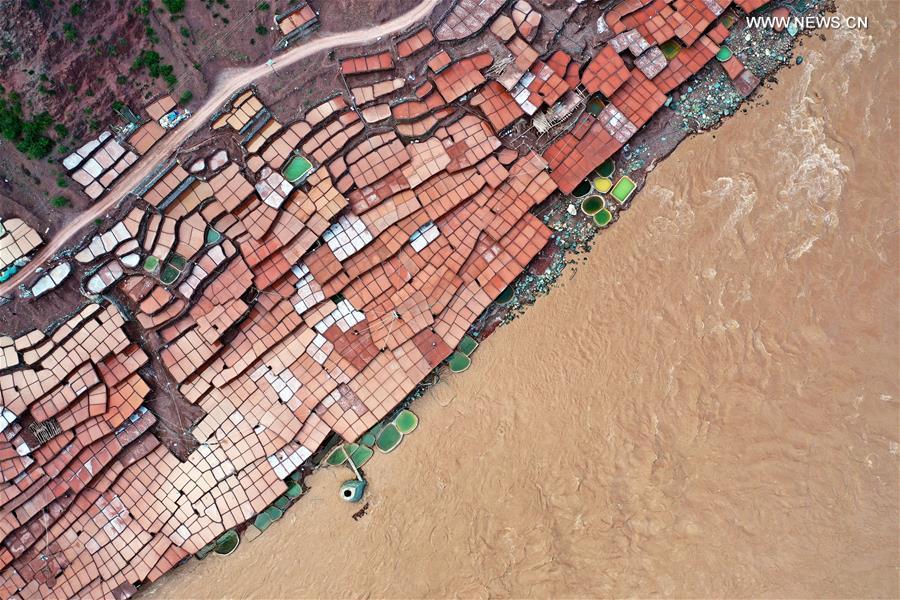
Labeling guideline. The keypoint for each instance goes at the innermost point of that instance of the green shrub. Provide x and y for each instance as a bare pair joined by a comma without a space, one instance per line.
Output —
10,123
174,6
61,181
147,58
28,135
76,10
263,6
186,96
261,30
69,32
59,201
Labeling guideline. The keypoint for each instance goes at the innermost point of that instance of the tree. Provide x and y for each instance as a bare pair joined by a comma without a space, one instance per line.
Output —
28,135
69,32
10,122
174,6
149,59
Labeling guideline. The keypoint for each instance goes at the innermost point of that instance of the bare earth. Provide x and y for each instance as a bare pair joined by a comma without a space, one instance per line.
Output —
708,407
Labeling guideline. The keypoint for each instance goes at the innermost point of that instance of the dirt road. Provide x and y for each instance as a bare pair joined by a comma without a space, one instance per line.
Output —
227,84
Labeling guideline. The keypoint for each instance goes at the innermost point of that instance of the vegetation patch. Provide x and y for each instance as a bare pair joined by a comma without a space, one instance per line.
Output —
174,6
28,134
152,62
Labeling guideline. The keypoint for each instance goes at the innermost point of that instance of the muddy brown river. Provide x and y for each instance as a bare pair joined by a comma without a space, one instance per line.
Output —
707,406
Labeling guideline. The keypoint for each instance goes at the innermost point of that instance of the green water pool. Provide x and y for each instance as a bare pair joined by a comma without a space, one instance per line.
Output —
227,542
591,205
337,456
169,274
8,272
623,189
212,236
607,168
467,345
294,490
178,261
361,455
406,422
297,169
670,49
389,438
582,189
603,218
594,105
459,362
506,296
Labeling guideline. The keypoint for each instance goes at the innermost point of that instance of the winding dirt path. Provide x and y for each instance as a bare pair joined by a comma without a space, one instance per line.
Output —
227,84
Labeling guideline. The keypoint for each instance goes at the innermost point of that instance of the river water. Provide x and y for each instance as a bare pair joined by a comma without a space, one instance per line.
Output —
707,406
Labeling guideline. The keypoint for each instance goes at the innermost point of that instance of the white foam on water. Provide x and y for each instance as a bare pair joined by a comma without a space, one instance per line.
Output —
741,192
680,216
813,169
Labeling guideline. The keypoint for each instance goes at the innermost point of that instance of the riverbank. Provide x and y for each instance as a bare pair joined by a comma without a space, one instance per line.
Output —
720,373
